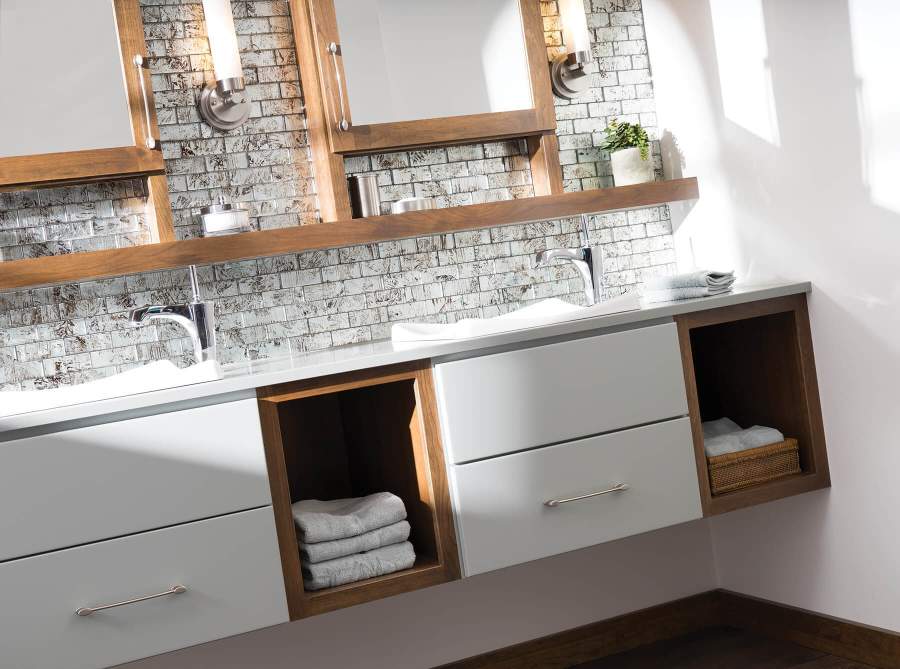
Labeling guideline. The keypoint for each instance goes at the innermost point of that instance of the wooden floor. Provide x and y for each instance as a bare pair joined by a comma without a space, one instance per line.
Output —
722,648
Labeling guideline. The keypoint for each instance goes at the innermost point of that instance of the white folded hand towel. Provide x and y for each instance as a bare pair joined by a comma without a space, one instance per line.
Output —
724,436
701,279
687,286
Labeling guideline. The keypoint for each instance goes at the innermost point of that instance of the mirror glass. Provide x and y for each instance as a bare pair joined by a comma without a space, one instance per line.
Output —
63,83
408,60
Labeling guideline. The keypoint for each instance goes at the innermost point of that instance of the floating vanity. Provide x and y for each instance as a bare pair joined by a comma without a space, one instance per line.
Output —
174,506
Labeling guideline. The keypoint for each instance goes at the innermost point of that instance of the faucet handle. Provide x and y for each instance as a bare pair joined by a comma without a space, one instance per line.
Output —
195,285
585,230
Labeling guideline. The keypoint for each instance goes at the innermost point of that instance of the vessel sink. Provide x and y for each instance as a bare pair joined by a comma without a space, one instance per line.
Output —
542,313
154,376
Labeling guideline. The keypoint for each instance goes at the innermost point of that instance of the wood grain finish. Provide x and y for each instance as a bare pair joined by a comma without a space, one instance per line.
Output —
754,363
722,647
50,169
132,43
331,179
171,255
714,609
425,132
352,435
159,210
546,172
873,646
600,639
47,169
438,132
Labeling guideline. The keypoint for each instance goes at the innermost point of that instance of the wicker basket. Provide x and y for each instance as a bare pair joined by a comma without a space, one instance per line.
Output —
734,471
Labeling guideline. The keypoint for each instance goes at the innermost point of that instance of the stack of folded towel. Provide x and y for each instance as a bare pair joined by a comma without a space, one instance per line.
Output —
347,540
725,436
687,286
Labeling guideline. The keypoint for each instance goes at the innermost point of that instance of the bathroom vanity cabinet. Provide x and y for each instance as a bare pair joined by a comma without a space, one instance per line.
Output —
122,510
505,450
354,435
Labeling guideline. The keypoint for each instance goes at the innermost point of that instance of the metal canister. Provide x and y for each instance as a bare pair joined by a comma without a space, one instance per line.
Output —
364,198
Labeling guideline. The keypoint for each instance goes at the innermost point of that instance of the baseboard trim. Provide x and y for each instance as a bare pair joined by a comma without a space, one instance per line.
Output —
605,637
716,608
843,638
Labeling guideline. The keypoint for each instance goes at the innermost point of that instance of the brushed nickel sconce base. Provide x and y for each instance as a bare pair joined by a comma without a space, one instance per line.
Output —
223,110
569,80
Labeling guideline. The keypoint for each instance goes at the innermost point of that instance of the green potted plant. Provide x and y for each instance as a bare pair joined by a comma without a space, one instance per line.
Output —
629,148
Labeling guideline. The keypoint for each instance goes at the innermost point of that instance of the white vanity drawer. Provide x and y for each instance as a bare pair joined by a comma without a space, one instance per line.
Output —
68,488
513,401
229,566
503,520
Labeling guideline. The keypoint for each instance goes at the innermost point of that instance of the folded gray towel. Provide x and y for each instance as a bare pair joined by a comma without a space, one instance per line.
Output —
343,518
381,561
687,286
722,444
675,294
368,541
701,279
716,428
719,438
756,436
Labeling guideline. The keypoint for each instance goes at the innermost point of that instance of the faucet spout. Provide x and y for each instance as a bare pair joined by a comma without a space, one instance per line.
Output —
196,317
588,260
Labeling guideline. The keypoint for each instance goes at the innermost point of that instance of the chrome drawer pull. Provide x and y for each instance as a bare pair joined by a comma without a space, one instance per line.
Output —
618,487
141,64
334,49
88,610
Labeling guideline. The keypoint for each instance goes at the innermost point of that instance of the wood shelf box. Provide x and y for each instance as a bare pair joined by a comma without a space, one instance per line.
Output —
754,363
51,270
354,435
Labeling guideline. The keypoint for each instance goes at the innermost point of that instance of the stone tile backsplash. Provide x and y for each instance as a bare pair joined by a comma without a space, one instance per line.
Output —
56,221
264,164
318,299
453,175
314,300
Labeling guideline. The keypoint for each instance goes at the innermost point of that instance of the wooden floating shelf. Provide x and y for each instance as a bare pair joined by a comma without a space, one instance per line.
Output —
754,363
174,254
330,438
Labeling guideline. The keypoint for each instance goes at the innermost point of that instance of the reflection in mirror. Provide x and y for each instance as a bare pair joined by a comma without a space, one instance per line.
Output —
408,60
63,83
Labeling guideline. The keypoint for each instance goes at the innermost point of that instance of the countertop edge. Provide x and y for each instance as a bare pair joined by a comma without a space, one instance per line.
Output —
246,377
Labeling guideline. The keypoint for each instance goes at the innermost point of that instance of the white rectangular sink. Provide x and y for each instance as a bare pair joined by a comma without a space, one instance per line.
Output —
542,313
154,376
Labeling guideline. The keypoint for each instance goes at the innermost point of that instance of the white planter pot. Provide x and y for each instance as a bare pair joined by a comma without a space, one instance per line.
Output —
628,168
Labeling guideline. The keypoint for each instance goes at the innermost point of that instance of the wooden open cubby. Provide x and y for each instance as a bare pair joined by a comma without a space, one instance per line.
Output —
352,435
754,364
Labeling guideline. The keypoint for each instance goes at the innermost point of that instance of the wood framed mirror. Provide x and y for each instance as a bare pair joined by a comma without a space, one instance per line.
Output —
81,109
423,72
505,55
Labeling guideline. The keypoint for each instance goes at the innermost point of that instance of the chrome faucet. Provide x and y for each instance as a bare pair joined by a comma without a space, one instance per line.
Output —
588,260
197,318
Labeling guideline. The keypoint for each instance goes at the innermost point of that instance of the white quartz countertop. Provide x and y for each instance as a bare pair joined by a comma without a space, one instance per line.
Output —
245,377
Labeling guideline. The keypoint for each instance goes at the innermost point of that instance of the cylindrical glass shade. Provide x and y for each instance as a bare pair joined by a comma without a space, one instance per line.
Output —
222,39
574,24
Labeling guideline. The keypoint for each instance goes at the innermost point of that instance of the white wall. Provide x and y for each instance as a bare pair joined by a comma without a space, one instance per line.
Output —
796,183
453,621
799,169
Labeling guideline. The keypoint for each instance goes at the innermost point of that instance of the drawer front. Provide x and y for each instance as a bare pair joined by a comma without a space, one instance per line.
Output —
229,566
505,497
87,484
513,401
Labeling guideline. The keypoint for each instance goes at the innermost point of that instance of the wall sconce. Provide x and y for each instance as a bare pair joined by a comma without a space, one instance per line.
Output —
221,104
567,73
